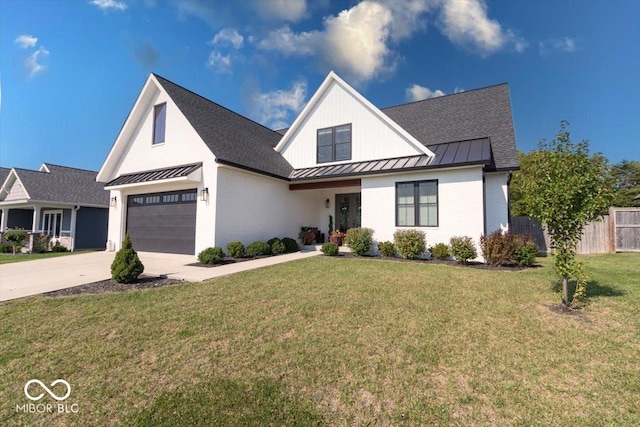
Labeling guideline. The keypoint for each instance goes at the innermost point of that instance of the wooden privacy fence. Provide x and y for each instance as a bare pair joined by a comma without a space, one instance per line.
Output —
617,231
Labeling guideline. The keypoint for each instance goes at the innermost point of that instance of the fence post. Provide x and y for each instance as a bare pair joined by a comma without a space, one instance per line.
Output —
612,230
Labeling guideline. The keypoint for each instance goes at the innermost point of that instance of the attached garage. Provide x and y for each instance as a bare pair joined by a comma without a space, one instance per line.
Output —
163,222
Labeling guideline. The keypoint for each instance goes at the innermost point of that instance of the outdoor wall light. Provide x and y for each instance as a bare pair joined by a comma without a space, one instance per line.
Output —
326,203
113,201
204,194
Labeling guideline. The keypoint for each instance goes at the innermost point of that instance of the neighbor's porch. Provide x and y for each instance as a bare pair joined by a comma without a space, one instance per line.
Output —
54,220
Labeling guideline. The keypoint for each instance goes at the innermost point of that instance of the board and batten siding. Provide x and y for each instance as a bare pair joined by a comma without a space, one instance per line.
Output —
496,202
460,204
371,138
91,228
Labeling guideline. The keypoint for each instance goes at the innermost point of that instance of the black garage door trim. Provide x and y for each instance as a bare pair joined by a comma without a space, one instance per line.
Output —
163,222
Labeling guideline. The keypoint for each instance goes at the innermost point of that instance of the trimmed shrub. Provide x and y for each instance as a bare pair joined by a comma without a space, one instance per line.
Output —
411,244
527,250
41,243
498,248
439,251
258,248
290,245
235,249
278,247
126,266
330,249
213,255
16,238
58,248
271,241
387,248
463,249
359,240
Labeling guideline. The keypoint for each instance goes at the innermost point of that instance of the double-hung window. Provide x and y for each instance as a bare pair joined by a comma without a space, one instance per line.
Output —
334,144
159,122
417,204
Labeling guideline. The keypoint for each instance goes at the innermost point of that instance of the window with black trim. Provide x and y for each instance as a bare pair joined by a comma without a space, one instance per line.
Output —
417,204
334,144
159,122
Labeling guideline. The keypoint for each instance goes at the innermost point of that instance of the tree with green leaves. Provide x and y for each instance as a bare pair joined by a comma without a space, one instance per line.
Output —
627,183
564,187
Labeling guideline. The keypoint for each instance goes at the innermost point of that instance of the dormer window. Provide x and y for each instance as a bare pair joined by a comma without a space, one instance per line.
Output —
159,122
334,144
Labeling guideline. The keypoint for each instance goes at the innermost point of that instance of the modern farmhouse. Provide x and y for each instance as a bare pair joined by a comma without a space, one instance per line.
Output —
186,173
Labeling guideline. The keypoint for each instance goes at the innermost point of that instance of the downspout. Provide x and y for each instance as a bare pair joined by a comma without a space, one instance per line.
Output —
74,216
509,200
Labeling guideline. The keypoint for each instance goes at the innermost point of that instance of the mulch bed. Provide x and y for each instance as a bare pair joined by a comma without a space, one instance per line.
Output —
110,285
478,265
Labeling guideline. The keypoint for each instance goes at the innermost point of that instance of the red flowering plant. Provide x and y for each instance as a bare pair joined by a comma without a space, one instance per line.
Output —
336,237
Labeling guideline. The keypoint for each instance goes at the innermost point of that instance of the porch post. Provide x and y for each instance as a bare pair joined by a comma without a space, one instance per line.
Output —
3,220
36,219
74,214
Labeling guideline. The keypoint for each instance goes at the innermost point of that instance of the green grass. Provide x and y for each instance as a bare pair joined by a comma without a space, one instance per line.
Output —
328,341
9,258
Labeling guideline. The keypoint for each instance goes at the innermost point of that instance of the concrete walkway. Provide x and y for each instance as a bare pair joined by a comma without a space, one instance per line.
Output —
27,278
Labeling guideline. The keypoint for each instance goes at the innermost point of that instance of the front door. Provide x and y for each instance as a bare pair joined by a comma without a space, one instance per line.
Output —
347,211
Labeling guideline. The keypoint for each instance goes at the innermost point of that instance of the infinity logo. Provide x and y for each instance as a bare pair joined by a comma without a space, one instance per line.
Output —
52,394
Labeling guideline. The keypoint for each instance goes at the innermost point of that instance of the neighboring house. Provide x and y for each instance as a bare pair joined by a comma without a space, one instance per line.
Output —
64,203
187,173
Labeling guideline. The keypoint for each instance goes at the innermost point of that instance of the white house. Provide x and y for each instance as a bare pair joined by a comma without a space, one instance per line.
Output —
186,173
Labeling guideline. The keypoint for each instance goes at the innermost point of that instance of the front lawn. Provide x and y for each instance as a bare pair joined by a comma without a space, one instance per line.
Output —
332,341
9,258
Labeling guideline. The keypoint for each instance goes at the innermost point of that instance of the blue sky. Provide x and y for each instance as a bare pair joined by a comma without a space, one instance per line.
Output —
70,71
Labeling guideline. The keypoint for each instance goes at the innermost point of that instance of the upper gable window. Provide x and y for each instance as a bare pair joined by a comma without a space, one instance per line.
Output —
159,122
334,144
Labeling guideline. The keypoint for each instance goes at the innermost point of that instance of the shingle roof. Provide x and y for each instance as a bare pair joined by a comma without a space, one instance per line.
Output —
462,153
4,173
473,114
65,185
231,137
154,175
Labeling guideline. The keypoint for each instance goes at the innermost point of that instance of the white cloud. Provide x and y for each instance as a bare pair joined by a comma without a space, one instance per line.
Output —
25,41
282,10
32,64
354,42
274,108
109,4
197,8
219,62
465,23
418,93
228,36
565,44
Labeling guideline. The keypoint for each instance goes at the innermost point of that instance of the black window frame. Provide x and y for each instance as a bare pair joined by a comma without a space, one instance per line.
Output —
159,110
416,203
334,143
148,199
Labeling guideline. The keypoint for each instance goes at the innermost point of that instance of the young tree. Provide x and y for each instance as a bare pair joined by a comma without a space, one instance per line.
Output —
126,266
16,237
564,188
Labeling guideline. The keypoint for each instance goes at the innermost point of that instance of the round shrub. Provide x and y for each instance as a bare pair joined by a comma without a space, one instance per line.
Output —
463,249
329,249
359,240
439,251
387,248
278,248
498,248
58,248
235,249
526,255
290,245
126,266
258,248
411,244
211,255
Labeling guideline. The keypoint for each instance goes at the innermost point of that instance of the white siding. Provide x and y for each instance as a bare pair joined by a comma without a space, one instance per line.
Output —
17,192
372,138
252,207
460,204
496,202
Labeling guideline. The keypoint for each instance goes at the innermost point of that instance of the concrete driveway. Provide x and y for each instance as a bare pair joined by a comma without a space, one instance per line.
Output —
27,278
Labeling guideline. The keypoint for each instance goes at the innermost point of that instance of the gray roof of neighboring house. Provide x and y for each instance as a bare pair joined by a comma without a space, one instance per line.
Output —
4,173
475,152
473,114
232,138
154,175
65,185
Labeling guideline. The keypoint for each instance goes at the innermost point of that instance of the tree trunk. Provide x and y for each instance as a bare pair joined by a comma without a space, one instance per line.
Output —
565,291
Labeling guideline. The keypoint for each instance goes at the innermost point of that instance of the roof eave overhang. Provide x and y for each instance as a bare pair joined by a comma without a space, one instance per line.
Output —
50,203
250,169
188,178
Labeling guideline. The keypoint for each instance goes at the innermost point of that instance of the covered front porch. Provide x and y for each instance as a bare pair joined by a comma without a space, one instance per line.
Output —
57,221
341,205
